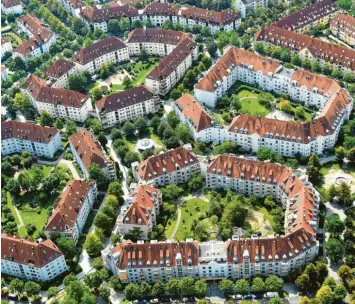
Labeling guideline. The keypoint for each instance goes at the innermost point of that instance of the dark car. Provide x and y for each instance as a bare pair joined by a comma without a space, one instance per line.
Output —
249,297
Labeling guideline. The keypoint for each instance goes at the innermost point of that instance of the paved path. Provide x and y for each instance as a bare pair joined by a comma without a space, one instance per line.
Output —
19,218
51,163
71,167
172,235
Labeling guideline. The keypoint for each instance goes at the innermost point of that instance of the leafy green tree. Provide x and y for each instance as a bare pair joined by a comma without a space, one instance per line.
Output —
158,289
32,289
211,47
116,134
242,286
183,133
155,122
340,153
52,292
172,119
276,300
207,61
67,246
13,186
140,124
167,25
22,103
349,77
45,119
93,245
124,24
172,192
334,225
113,26
16,286
303,282
274,283
258,285
339,293
345,273
58,123
115,188
97,174
68,279
78,82
336,73
93,280
344,193
325,295
334,249
145,288
200,288
104,292
173,287
226,286
322,271
189,80
128,128
296,60
77,292
196,183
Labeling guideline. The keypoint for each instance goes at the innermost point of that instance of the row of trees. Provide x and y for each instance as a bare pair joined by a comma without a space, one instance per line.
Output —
285,55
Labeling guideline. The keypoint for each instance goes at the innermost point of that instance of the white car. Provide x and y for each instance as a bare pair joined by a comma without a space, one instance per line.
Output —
270,295
237,297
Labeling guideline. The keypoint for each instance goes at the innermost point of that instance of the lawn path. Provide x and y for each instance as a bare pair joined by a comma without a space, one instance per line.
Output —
172,235
19,218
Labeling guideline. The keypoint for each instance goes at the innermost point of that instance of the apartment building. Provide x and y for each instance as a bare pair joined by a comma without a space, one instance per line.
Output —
308,18
200,122
17,136
172,68
73,6
11,7
87,151
284,137
4,73
58,73
226,20
95,55
175,166
6,47
41,38
60,103
245,6
140,212
336,56
71,209
343,27
99,17
158,13
157,42
30,260
126,105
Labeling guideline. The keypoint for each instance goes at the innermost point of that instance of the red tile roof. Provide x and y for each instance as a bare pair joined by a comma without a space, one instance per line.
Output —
318,48
154,166
42,93
194,112
303,204
236,57
173,60
67,206
98,49
105,14
344,22
113,4
156,35
124,99
161,9
10,3
28,252
307,15
59,68
88,149
162,254
209,16
28,131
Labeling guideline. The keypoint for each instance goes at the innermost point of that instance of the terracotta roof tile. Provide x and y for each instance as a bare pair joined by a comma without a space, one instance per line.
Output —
194,112
157,36
10,3
209,16
25,130
345,23
104,14
59,68
162,9
28,252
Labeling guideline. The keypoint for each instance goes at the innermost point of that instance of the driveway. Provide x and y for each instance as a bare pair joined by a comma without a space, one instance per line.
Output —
71,167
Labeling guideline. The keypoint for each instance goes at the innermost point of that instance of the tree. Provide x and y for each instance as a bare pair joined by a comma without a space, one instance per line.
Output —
45,119
207,61
196,183
303,282
172,119
78,82
79,293
102,139
226,286
144,289
115,188
13,186
211,47
113,27
104,292
137,24
104,222
172,192
32,289
339,293
173,287
124,24
112,201
140,124
183,133
274,283
22,103
345,273
348,77
344,193
52,292
329,282
258,285
68,279
334,225
189,80
93,280
58,123
115,284
16,286
167,25
334,249
285,106
201,231
67,246
70,127
128,128
325,295
200,288
136,233
296,60
147,153
116,134
276,300
242,286
158,289
340,153
97,174
130,158
336,73
155,122
149,23
93,245
322,271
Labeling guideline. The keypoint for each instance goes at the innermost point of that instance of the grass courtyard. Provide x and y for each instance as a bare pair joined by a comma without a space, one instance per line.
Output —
250,103
190,210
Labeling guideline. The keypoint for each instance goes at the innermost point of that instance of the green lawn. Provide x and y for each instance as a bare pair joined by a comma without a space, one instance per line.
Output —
47,170
13,38
250,103
190,210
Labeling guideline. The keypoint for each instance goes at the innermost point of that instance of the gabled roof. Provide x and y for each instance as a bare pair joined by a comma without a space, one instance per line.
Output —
162,9
124,99
155,166
10,3
98,49
194,112
232,57
156,35
68,206
28,131
318,48
104,14
209,16
28,252
345,23
39,90
59,68
88,149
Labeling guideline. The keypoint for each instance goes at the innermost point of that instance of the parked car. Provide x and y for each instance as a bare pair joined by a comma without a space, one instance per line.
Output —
249,297
237,297
154,301
270,295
